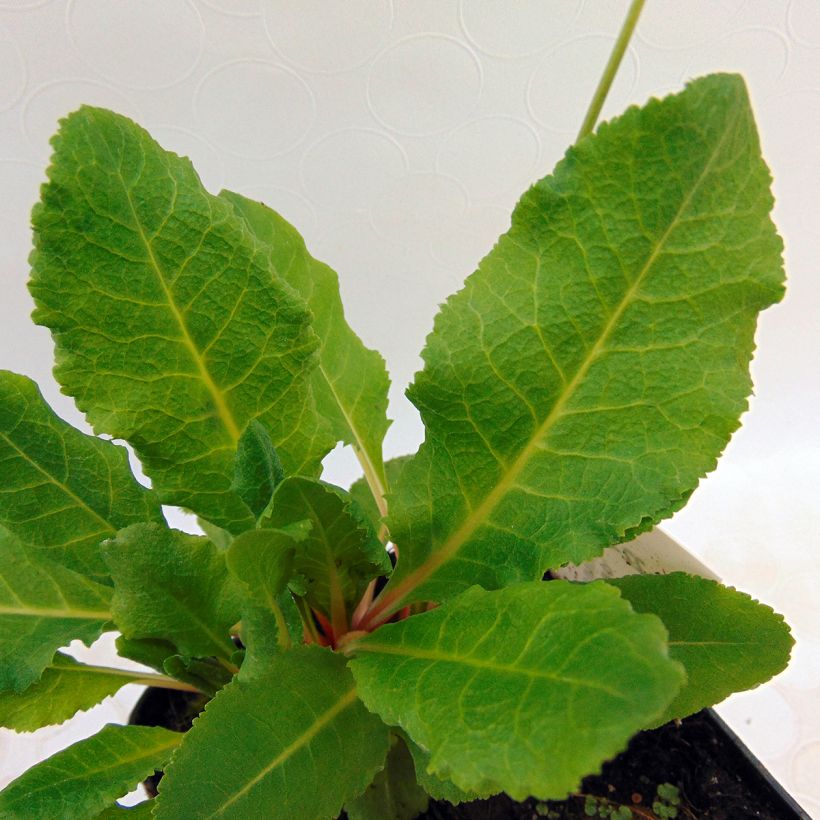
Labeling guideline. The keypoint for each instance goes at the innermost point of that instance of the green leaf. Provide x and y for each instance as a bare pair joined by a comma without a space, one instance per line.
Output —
437,787
350,383
727,641
43,606
65,688
206,674
394,793
148,652
258,469
144,809
61,490
523,690
340,555
593,368
171,330
82,780
307,745
361,493
173,587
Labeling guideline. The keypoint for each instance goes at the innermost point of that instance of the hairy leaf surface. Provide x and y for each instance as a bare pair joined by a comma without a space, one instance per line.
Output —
65,688
43,606
61,490
523,690
85,778
593,368
171,330
350,383
727,641
258,469
173,587
340,554
437,787
307,745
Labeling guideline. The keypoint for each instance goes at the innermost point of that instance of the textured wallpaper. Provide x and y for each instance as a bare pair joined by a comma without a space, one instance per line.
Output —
397,136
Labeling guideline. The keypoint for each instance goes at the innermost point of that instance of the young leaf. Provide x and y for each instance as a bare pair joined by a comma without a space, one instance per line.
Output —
307,746
43,606
263,561
173,587
350,383
62,491
340,555
206,674
523,690
258,469
726,640
394,793
65,688
593,368
148,652
85,778
171,330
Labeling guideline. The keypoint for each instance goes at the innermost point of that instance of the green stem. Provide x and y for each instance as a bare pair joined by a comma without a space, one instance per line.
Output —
611,69
307,618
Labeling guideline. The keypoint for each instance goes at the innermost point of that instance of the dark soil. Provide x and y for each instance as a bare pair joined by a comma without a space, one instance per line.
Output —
712,773
714,779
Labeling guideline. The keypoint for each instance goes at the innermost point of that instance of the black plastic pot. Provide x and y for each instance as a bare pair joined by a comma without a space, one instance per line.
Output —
715,775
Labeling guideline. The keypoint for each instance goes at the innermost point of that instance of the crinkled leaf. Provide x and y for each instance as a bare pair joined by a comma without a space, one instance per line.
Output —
727,641
307,746
174,587
85,778
257,470
350,382
61,490
172,332
43,606
340,555
394,793
523,690
206,674
65,688
593,368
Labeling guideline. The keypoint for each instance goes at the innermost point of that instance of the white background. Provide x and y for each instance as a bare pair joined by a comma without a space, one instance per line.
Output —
397,137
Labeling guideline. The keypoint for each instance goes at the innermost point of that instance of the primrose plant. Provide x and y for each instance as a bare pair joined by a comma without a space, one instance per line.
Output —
573,393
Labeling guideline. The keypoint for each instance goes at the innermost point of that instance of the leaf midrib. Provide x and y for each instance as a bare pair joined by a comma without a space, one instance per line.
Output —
220,403
393,599
439,656
343,703
63,614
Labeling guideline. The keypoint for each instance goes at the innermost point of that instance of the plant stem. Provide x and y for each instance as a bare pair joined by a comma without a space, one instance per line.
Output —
611,69
281,625
142,678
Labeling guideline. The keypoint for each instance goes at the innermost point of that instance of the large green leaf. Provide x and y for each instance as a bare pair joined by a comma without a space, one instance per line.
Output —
340,554
727,641
173,587
437,787
350,383
307,745
61,490
171,330
593,368
394,793
523,690
85,778
65,688
43,606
